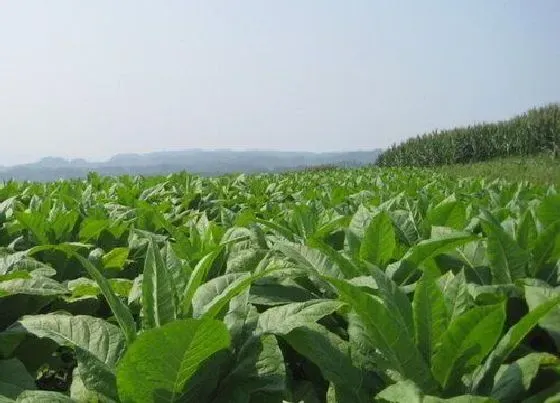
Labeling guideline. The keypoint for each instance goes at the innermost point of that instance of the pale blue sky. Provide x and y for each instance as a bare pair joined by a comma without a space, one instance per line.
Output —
94,78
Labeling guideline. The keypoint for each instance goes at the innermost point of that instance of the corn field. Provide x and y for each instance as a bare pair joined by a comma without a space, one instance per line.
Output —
534,132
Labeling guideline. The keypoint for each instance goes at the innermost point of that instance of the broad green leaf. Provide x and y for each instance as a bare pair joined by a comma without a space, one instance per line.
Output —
386,334
279,292
456,294
432,247
244,260
346,266
515,379
493,294
179,272
330,224
43,396
547,248
330,353
9,342
277,228
204,383
256,364
95,336
259,367
159,363
364,352
475,256
215,306
121,286
237,237
197,277
549,209
32,286
20,261
14,378
430,315
424,250
283,319
448,213
80,393
138,239
63,224
309,258
466,343
356,229
406,228
379,241
82,287
508,261
91,228
360,221
158,301
213,289
224,295
241,320
85,287
96,377
151,218
535,297
403,391
120,310
115,259
484,375
394,298
35,223
527,231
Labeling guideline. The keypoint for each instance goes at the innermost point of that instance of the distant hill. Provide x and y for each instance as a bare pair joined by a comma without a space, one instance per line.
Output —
195,161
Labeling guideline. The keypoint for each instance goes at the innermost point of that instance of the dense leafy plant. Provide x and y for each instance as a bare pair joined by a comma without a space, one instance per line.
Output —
535,132
326,285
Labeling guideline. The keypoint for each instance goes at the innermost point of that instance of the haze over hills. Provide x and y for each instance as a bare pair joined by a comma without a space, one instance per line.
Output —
204,162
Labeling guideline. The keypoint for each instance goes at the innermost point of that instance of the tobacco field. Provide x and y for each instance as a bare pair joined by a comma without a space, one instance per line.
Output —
335,285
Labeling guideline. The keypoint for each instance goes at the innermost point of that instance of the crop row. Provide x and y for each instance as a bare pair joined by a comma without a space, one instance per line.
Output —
535,132
392,285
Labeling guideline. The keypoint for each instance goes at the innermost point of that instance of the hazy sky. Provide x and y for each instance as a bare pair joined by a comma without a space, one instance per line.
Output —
94,78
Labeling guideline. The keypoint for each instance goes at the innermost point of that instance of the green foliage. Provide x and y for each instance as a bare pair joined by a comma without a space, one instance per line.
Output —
158,302
323,285
158,365
536,169
431,317
532,133
379,240
466,342
14,378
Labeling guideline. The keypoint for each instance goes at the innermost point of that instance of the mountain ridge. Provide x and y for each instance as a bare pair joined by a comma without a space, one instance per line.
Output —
204,162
